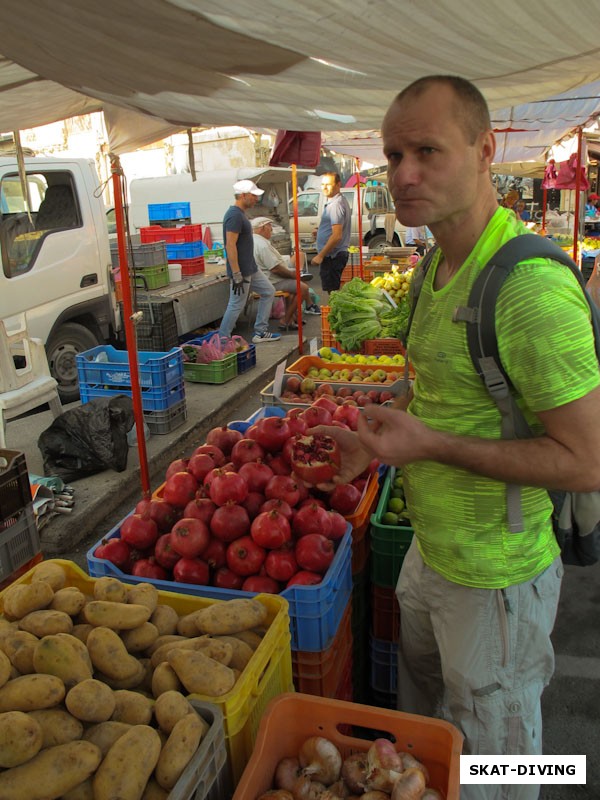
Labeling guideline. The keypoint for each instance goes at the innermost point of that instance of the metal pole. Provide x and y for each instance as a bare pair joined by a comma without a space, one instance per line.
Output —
297,251
130,339
577,194
359,216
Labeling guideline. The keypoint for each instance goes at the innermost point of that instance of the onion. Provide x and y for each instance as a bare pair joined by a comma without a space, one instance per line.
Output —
354,772
410,761
339,789
409,786
320,760
286,773
276,794
305,789
375,795
432,794
384,766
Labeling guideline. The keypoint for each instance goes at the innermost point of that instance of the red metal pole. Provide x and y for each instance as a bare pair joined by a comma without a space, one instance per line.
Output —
136,392
544,204
297,251
359,215
577,194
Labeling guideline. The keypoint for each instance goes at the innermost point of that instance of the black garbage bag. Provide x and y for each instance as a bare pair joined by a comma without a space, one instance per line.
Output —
88,439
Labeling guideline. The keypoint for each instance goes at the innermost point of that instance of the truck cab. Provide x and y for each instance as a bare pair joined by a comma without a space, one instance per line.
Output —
376,203
56,265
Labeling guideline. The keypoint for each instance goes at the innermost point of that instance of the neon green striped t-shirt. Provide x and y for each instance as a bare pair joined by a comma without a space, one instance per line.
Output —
546,345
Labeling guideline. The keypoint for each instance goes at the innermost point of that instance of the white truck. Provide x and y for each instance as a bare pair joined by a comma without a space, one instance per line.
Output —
57,273
379,225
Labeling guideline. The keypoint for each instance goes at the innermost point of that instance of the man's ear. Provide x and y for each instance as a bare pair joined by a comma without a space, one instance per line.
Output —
487,150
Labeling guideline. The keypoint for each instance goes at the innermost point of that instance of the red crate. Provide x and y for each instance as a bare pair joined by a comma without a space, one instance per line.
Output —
327,337
322,672
191,266
382,347
178,235
353,271
385,613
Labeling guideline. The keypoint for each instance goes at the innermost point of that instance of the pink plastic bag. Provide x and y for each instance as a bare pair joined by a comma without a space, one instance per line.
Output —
278,308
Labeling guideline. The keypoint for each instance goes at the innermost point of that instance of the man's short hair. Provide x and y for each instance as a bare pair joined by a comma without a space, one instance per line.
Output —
336,175
472,108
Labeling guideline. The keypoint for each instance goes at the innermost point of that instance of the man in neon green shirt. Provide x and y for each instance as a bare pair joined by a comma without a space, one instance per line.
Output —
478,602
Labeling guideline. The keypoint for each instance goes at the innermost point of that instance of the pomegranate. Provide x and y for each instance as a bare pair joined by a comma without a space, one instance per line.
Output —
214,473
253,503
279,505
114,550
261,583
283,487
312,518
229,522
214,554
191,570
245,557
316,458
228,487
345,498
214,452
338,526
348,415
256,474
281,564
224,578
295,423
327,403
190,537
246,450
179,465
149,568
163,513
224,438
139,531
200,464
316,415
164,553
270,530
304,578
292,383
279,465
201,508
179,489
314,552
324,388
272,432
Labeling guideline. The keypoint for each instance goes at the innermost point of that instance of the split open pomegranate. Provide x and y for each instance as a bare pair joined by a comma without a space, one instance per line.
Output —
315,458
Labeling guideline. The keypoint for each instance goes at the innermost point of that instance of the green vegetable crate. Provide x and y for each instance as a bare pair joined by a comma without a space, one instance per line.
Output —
219,371
389,542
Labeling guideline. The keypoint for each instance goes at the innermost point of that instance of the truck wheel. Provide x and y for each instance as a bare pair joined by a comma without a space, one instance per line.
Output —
379,240
69,340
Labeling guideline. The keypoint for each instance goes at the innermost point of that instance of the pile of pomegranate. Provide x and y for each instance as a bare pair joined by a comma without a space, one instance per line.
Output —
243,511
307,390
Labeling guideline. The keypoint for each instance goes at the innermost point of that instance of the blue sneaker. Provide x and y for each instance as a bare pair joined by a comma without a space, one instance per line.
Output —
267,336
313,309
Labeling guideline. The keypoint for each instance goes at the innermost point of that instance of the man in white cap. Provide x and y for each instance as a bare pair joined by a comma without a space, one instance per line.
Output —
241,266
279,269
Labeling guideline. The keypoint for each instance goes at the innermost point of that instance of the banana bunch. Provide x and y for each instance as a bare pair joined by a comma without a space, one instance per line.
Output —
396,283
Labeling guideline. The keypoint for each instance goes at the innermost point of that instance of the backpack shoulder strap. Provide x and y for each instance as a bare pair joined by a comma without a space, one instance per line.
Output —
416,285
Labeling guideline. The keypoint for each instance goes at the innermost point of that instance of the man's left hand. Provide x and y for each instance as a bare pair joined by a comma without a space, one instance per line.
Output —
316,260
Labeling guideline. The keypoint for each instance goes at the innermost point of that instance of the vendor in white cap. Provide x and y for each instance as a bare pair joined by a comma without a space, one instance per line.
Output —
281,270
241,266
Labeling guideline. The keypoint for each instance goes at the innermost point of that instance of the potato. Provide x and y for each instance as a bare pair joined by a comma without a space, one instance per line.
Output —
51,573
105,734
165,619
251,638
20,646
91,701
58,726
51,773
21,598
220,651
231,616
46,622
176,754
118,616
128,765
82,630
140,639
21,738
164,639
169,708
84,791
110,589
31,692
186,626
242,653
110,656
143,594
135,681
70,600
132,707
79,646
201,674
164,679
57,656
5,668
154,792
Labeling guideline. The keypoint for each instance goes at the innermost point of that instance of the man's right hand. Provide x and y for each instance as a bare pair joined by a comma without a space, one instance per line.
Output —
355,456
237,283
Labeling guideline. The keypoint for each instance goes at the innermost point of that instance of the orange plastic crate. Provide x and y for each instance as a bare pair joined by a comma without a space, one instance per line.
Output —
322,672
304,363
327,337
353,271
360,522
290,719
382,347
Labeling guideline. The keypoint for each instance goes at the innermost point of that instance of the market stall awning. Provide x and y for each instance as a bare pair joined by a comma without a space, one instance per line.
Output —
277,64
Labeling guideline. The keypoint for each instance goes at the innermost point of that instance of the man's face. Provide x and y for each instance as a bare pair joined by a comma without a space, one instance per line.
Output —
266,231
329,186
434,171
249,200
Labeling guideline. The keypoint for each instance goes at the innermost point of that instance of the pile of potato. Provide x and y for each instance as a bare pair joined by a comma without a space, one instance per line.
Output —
92,689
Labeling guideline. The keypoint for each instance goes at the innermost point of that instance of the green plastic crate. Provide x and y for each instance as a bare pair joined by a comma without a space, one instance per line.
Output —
152,277
389,543
216,372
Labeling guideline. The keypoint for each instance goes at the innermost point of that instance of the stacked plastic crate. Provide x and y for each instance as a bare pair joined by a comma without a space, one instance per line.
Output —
104,371
389,544
157,330
147,264
19,539
183,242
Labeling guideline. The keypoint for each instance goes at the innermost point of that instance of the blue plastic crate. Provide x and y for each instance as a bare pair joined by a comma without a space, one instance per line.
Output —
242,425
384,666
164,211
106,366
315,611
152,399
185,250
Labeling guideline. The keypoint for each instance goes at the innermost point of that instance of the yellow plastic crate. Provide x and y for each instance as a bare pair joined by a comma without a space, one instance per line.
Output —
267,674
